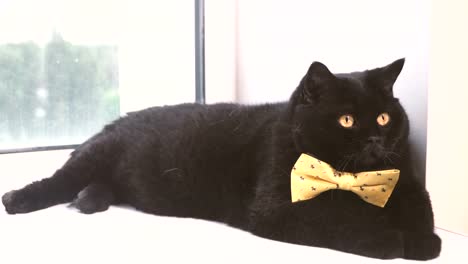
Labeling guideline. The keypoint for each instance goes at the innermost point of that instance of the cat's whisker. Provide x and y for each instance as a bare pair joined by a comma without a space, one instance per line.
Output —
351,157
342,162
355,163
393,153
387,158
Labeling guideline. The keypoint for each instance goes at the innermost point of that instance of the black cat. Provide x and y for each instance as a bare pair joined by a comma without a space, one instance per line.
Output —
231,163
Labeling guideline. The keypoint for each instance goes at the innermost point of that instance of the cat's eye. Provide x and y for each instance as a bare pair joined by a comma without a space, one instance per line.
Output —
383,119
346,121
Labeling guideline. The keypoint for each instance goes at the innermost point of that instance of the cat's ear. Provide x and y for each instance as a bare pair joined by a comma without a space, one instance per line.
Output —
389,75
315,80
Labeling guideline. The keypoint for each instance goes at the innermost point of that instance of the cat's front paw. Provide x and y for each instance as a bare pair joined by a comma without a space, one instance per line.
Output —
422,246
15,203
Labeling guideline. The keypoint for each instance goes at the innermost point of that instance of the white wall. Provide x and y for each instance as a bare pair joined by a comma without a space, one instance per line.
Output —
447,176
220,50
277,41
156,53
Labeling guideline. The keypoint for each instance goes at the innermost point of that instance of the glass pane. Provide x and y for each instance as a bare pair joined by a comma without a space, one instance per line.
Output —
68,67
60,91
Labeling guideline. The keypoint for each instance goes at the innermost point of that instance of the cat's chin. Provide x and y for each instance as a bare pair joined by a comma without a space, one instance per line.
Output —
369,161
372,163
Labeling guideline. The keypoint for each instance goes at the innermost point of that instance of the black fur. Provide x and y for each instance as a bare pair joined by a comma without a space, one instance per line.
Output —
231,163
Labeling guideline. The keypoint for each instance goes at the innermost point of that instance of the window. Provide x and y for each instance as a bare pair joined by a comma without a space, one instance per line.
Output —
68,67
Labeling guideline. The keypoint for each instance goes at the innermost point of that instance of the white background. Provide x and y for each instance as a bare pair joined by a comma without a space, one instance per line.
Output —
447,177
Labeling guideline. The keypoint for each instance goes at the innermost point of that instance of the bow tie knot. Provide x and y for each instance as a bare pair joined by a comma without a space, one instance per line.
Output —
310,177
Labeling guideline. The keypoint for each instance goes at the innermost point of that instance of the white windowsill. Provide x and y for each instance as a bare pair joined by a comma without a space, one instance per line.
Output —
123,235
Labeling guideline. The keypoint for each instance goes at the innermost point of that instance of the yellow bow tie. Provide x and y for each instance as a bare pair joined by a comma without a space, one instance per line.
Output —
310,177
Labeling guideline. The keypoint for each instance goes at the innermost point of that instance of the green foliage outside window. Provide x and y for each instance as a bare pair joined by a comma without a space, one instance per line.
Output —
53,94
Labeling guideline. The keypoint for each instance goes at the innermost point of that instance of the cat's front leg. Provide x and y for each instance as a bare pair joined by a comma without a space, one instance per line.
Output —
320,223
421,246
411,212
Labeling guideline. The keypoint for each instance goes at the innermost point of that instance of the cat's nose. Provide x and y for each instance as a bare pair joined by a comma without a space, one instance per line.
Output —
374,140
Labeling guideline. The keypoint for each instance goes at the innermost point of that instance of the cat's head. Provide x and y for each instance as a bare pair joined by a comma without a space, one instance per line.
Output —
352,121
